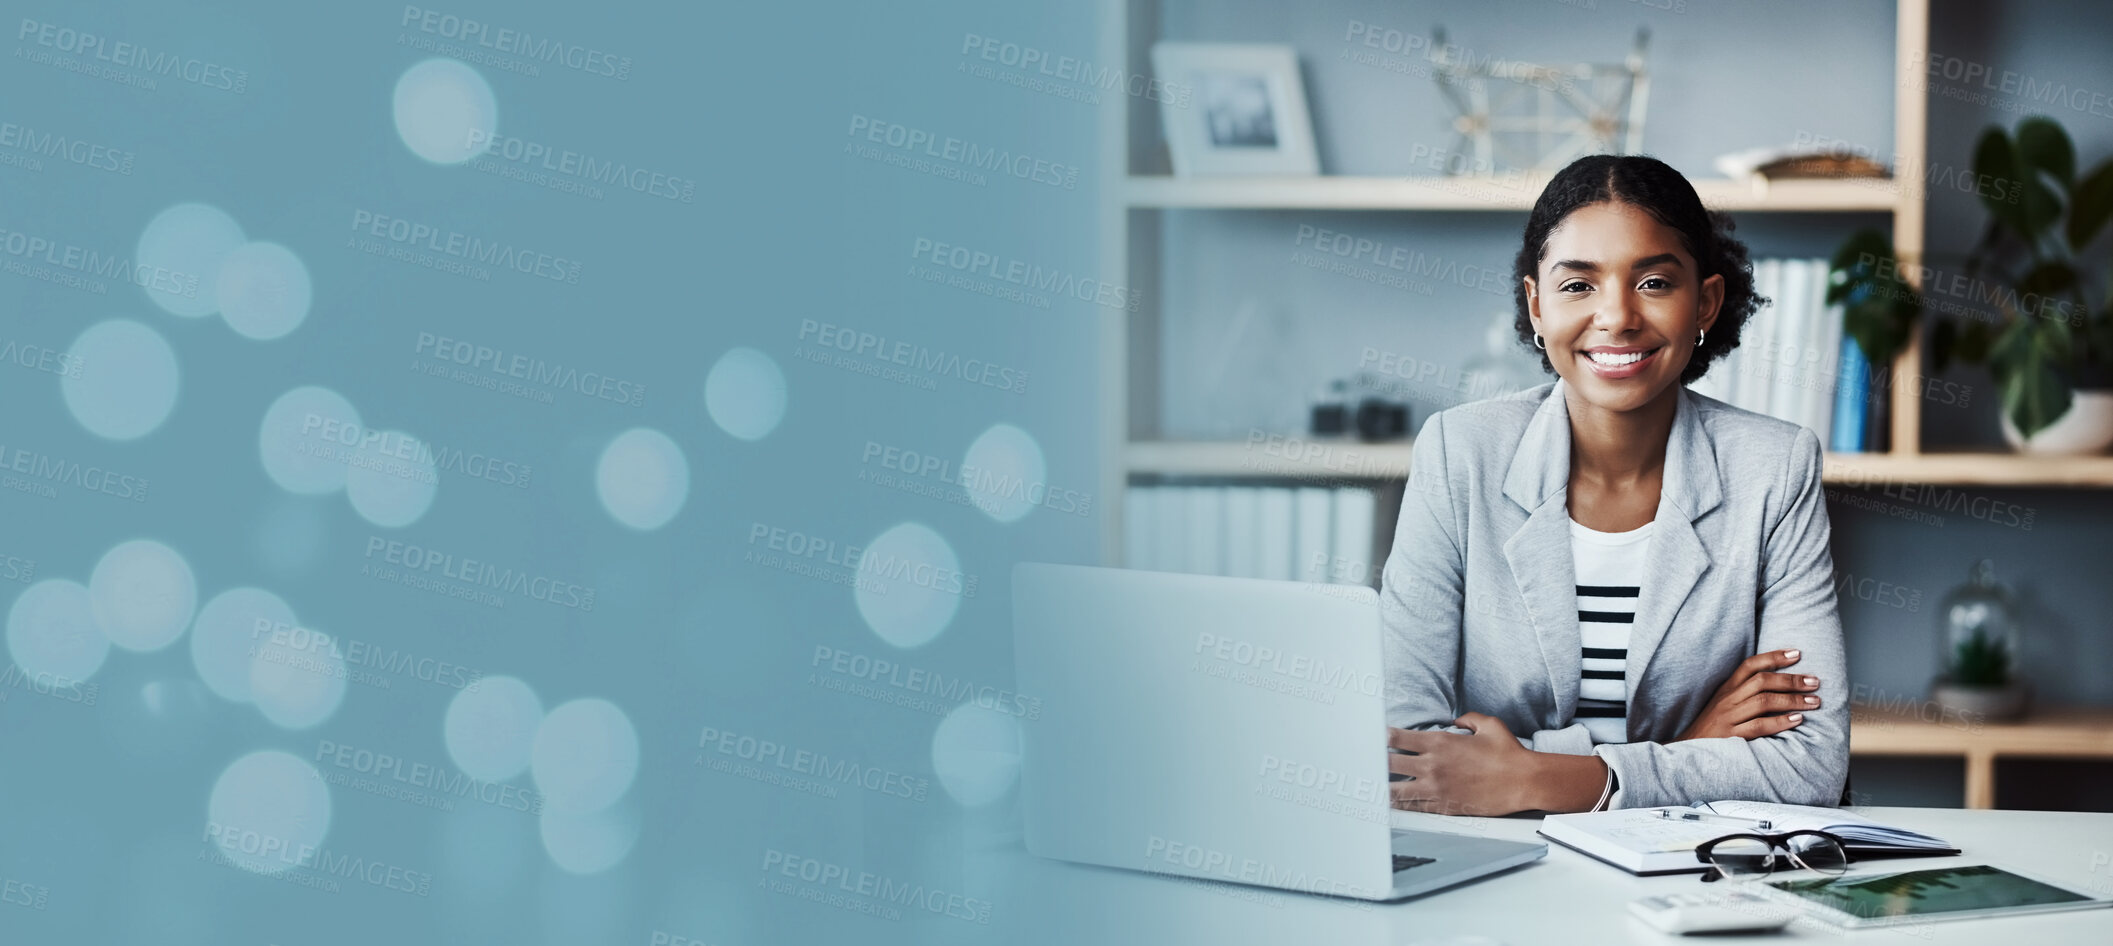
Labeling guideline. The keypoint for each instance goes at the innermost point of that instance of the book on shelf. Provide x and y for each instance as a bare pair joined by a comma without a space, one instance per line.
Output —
1314,517
1273,534
1818,346
1288,533
1140,524
1243,535
1642,841
1356,511
1783,350
1170,543
1793,357
1203,525
1749,363
1852,396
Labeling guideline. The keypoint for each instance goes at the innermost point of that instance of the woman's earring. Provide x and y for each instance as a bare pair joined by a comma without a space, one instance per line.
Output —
1538,343
1699,336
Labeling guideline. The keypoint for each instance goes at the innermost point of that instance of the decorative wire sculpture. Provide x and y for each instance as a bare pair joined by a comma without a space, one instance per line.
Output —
1518,116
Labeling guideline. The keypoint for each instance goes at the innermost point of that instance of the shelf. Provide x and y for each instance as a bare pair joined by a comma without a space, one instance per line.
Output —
1503,192
1292,457
1274,458
1969,469
1922,730
2067,732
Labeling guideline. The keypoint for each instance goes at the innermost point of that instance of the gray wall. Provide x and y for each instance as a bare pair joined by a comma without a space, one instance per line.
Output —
1722,82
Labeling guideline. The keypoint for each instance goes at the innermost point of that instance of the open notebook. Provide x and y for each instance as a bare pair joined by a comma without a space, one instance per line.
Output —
1639,841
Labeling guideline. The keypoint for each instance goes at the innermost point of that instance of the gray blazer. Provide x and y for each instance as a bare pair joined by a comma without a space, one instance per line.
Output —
1479,596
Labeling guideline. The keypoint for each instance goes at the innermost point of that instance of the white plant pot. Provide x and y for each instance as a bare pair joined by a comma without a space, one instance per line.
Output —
1983,704
2086,427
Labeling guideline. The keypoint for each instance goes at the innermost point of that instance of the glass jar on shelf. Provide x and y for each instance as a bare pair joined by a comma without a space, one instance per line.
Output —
1979,640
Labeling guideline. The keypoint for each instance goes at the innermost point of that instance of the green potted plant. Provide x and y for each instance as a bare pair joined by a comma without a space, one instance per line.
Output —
2049,345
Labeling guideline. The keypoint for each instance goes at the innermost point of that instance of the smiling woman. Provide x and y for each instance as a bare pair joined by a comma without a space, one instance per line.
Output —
1612,563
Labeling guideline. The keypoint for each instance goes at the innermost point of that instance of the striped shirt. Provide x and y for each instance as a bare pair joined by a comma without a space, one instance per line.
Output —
1609,582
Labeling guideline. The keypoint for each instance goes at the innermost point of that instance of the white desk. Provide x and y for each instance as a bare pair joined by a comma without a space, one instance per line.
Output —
1565,898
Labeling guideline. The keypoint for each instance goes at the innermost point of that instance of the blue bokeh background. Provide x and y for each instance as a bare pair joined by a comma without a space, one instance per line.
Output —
107,804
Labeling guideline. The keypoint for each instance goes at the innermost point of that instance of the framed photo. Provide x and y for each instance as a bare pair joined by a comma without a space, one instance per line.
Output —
1246,113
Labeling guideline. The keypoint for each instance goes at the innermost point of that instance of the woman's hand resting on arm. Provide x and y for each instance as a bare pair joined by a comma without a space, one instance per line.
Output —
1487,772
1746,704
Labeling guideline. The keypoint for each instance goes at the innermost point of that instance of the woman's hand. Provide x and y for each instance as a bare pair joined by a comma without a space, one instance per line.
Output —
1483,772
1746,703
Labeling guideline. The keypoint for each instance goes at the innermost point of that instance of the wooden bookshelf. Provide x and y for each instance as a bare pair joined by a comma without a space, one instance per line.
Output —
1131,204
1341,459
2062,733
1969,469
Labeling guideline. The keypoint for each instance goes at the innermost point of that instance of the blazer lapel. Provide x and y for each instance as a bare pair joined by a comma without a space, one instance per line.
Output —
1539,552
1676,557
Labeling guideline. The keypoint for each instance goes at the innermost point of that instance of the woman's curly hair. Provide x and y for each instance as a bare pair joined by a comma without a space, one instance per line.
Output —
1653,186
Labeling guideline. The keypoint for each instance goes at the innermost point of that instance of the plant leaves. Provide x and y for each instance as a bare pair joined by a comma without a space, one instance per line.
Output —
1866,246
1978,256
2038,207
1944,337
2047,294
2091,205
2098,340
2035,396
2011,349
1878,309
2051,342
1973,342
2048,278
2044,145
1997,159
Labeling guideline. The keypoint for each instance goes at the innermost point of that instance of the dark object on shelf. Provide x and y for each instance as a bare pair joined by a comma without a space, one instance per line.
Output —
1331,411
1382,420
1824,165
1330,420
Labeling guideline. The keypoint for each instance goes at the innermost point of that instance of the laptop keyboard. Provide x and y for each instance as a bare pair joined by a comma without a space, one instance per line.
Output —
1403,862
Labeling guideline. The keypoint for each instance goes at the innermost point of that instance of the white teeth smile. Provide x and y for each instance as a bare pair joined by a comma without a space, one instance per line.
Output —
1612,360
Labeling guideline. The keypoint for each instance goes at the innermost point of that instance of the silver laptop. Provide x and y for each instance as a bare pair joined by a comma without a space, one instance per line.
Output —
1228,729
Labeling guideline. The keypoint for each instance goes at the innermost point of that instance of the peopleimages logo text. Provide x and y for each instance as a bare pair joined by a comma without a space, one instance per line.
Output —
47,144
584,167
440,780
257,845
463,246
517,43
949,691
53,469
813,764
1296,666
896,351
868,884
961,153
1022,273
155,62
79,259
418,558
360,653
514,364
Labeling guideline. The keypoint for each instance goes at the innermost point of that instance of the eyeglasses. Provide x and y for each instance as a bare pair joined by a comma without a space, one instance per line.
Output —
1746,856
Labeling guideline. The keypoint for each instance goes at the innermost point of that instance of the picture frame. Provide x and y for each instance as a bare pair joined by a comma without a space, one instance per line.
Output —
1247,114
